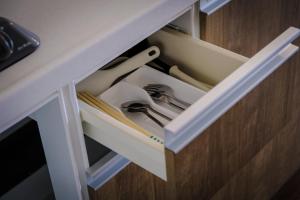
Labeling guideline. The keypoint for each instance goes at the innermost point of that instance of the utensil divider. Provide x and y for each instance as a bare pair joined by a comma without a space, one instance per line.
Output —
103,106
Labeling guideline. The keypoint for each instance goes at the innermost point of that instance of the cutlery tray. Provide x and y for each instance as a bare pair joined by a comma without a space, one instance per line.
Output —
131,89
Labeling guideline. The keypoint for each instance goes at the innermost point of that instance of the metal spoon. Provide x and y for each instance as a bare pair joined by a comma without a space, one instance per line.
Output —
158,97
141,106
161,97
168,92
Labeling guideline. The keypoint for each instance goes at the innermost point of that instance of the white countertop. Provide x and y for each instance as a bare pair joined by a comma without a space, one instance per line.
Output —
77,36
64,28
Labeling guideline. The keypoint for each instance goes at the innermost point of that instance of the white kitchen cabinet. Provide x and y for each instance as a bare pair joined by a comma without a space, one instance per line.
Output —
77,39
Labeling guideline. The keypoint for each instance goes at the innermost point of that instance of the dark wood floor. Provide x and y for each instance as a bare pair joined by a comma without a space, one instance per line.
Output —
290,190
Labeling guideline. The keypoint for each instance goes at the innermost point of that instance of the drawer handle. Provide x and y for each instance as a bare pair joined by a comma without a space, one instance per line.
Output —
210,6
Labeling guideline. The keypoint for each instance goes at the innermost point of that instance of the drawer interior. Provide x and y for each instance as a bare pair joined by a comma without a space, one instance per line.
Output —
196,58
200,60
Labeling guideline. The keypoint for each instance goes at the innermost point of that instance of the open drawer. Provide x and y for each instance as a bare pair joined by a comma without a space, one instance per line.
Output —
231,74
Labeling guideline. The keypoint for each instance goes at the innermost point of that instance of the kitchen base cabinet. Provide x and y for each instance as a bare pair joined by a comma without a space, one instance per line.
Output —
248,153
203,152
252,150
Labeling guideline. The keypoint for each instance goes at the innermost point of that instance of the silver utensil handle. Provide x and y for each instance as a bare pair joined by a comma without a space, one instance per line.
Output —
177,102
160,114
175,105
154,119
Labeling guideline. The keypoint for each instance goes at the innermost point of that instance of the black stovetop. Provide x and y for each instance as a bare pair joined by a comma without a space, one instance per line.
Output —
15,43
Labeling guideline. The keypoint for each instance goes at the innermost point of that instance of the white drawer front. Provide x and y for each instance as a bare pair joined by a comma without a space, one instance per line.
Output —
124,140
